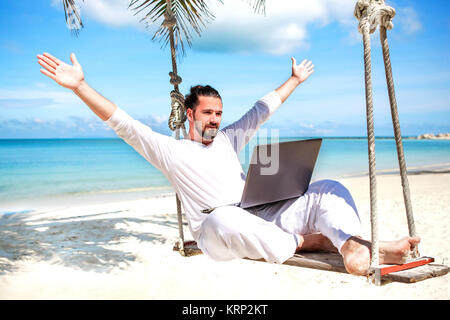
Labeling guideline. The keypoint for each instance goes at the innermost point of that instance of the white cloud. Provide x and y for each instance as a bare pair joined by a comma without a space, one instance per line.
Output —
236,27
306,125
110,12
38,120
27,97
282,30
408,20
160,118
41,128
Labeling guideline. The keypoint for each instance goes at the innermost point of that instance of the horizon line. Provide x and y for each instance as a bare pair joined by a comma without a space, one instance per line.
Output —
282,137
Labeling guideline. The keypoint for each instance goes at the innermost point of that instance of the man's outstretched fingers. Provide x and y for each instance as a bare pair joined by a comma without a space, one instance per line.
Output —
50,75
47,60
55,60
48,67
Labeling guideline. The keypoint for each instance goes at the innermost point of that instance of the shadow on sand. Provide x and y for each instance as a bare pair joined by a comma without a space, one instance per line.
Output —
86,243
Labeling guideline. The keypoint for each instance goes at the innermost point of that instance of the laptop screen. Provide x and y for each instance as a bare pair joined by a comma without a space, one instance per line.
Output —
279,171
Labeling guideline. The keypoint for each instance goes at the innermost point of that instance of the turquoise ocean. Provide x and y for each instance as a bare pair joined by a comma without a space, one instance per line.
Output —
38,173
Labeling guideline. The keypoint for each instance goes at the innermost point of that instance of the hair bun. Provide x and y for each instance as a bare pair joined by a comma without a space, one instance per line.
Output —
191,99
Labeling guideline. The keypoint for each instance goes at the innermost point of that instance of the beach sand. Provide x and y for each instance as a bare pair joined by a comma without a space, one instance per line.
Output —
123,250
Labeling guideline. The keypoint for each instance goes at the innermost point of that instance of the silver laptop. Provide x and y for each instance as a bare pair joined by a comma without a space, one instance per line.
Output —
278,171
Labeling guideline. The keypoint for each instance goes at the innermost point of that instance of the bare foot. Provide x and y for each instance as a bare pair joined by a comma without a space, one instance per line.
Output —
397,252
356,253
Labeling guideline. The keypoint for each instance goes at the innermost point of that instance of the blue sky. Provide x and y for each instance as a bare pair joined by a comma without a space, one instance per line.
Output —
241,54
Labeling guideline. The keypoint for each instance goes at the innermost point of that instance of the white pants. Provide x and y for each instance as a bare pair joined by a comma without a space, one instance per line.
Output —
270,232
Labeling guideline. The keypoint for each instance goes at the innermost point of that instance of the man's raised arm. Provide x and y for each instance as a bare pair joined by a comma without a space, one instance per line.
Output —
300,73
250,122
151,145
72,77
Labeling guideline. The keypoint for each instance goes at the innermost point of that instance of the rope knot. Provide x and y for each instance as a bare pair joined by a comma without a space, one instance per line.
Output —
169,19
374,13
178,113
360,7
386,16
175,79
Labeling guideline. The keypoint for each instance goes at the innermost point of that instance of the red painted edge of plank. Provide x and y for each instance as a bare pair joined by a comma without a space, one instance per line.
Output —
406,266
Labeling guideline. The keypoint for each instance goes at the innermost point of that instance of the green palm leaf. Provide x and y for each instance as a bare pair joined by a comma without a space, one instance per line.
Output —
190,15
72,14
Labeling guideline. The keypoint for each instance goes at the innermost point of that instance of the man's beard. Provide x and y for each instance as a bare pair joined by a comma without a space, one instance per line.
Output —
208,134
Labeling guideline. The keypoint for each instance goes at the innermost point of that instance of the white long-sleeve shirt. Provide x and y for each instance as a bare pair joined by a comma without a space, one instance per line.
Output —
202,176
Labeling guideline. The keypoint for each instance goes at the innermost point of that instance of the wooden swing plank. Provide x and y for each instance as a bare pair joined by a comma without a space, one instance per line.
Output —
334,262
318,260
417,274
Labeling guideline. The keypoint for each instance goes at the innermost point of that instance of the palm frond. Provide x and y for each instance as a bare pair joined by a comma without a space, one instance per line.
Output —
259,6
72,15
191,16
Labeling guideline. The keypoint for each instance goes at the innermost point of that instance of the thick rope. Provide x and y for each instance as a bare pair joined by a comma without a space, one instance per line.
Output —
178,115
180,217
370,14
371,149
398,136
361,14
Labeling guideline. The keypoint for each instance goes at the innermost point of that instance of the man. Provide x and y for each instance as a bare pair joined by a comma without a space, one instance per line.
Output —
205,172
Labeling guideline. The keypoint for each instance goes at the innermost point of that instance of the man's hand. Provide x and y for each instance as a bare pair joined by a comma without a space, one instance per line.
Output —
302,71
72,77
68,76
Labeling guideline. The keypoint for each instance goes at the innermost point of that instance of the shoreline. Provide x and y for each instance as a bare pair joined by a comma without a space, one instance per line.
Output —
414,170
106,196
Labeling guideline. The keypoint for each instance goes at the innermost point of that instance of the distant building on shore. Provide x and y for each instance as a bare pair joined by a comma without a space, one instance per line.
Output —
434,136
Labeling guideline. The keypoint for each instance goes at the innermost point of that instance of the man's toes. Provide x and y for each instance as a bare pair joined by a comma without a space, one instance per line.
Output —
413,241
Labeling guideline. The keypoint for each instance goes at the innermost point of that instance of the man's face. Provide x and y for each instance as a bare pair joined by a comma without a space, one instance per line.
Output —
204,121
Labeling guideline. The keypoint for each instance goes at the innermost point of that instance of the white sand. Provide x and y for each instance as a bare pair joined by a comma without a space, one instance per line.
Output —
123,250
